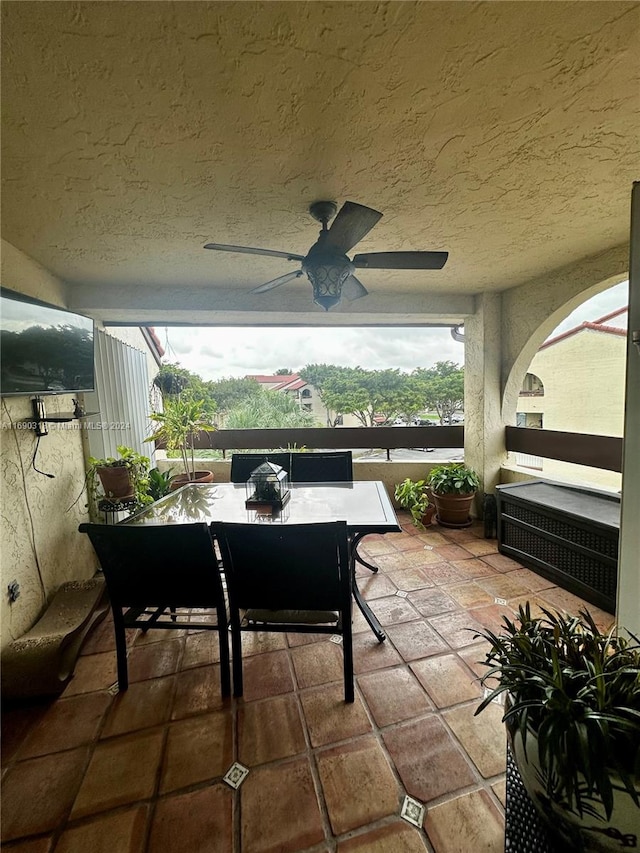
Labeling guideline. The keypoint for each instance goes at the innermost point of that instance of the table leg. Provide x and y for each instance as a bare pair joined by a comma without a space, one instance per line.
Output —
362,604
355,541
368,614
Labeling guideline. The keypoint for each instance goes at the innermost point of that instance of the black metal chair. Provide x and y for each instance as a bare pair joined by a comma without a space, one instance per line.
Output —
335,467
152,573
242,464
287,578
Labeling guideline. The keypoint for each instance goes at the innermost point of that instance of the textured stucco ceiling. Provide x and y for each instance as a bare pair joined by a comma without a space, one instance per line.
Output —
133,133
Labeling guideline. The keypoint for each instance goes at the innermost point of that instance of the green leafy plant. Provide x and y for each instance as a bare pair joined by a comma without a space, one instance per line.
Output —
414,496
137,467
577,691
177,424
159,483
454,478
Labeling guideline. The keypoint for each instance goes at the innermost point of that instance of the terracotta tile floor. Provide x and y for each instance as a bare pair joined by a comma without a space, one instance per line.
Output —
96,771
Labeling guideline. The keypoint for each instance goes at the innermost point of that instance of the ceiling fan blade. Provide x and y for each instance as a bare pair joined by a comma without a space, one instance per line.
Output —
353,289
351,224
401,260
248,250
276,282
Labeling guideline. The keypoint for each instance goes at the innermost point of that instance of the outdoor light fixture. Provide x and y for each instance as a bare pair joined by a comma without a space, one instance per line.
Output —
327,273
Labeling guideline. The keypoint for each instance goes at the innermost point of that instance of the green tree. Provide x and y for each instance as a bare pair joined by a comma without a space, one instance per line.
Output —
268,410
363,393
284,371
442,387
318,375
229,393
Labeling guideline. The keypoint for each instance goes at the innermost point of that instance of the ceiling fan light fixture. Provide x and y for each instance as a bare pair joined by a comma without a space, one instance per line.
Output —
327,277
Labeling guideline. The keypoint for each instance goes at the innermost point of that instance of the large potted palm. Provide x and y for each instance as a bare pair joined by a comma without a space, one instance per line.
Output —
453,487
178,423
573,721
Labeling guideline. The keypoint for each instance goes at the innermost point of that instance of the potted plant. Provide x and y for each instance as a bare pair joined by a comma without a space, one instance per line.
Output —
414,496
125,477
453,487
159,483
573,720
181,419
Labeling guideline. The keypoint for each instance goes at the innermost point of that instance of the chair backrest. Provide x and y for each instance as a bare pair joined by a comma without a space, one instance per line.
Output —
322,467
171,565
285,567
242,464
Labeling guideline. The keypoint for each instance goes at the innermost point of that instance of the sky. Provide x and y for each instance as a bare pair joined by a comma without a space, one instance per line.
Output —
217,352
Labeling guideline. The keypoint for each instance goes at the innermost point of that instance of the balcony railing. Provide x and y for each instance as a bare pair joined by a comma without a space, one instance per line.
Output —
341,438
596,451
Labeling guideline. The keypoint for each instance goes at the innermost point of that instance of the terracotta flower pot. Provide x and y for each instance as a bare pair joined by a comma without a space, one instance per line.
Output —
182,479
427,517
116,481
453,510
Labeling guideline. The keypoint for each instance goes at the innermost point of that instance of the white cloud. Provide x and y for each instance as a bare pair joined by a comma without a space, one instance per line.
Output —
216,352
596,307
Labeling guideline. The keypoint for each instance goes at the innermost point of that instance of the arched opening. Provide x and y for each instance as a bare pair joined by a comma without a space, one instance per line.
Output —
575,382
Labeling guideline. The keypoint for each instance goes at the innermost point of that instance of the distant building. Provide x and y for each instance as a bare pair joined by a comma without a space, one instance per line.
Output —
576,383
307,396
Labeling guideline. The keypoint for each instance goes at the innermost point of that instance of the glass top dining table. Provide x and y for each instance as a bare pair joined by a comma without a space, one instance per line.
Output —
364,505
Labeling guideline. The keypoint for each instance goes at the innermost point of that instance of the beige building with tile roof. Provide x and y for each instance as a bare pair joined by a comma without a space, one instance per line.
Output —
576,383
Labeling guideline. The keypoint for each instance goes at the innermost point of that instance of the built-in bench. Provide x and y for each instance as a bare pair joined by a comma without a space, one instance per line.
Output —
41,662
567,534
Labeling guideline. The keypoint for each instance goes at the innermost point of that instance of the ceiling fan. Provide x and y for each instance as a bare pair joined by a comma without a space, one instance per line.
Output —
326,264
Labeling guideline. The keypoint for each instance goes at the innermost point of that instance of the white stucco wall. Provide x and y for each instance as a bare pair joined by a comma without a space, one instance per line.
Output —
40,546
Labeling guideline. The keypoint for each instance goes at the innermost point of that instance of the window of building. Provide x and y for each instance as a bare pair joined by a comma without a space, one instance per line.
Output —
532,386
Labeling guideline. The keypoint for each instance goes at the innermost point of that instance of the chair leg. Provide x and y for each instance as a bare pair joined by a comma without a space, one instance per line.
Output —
347,651
236,653
225,678
121,649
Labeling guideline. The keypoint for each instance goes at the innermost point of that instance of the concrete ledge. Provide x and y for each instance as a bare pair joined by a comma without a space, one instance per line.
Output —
41,662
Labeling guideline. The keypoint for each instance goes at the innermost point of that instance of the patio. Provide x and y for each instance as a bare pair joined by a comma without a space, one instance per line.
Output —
143,771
